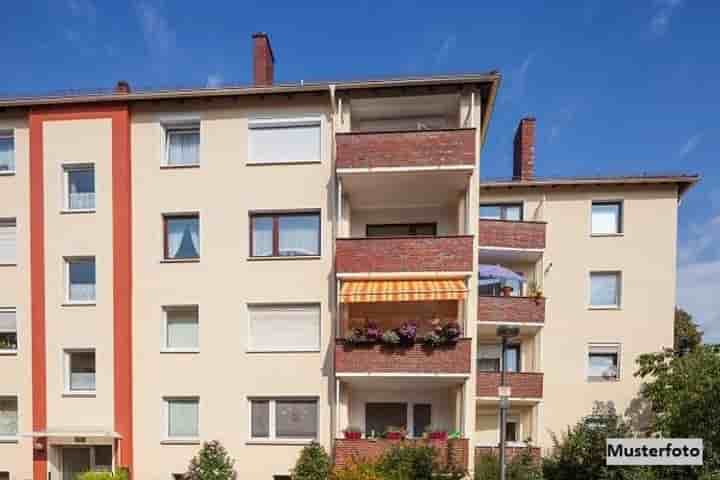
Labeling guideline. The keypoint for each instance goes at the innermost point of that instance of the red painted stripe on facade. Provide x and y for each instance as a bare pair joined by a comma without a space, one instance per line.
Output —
122,270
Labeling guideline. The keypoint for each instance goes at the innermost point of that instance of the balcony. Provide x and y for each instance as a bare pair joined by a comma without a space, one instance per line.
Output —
414,359
509,234
404,254
509,309
406,149
522,384
450,452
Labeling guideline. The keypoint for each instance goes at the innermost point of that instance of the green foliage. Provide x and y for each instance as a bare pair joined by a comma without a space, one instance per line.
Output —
687,329
402,462
684,394
359,470
96,476
211,463
580,452
522,467
313,464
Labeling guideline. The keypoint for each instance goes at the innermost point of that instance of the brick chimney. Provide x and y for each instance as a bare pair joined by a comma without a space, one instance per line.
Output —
524,150
122,86
263,60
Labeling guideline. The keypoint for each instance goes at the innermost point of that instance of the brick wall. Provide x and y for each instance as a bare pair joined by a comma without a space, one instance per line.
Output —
523,384
453,451
404,254
415,359
406,149
511,309
511,234
510,452
524,150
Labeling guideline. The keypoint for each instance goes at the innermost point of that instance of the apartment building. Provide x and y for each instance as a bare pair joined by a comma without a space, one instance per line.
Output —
221,264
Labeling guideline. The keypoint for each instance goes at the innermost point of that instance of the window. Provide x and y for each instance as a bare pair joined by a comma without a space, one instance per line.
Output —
8,241
502,211
284,141
285,235
182,237
401,230
512,431
605,289
422,418
8,417
603,362
283,419
80,187
380,416
606,218
8,330
4,475
81,280
183,417
181,332
7,152
81,371
182,145
489,358
284,328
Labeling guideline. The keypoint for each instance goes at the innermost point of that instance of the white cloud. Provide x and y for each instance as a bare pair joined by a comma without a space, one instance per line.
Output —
159,37
214,80
442,54
661,19
518,78
691,144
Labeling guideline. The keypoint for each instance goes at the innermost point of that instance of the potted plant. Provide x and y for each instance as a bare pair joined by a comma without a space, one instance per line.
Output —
432,339
353,433
372,332
390,337
451,332
407,333
506,290
395,433
437,433
354,337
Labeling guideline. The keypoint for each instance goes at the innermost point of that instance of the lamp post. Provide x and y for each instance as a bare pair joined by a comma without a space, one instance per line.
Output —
505,333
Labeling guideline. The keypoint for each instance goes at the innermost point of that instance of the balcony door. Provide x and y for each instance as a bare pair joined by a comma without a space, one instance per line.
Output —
75,460
380,416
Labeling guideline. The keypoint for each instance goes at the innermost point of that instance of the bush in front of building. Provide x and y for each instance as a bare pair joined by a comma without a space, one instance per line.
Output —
211,463
522,467
121,474
313,464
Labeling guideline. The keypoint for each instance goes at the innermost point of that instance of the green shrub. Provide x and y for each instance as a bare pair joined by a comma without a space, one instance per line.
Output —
211,463
359,470
121,474
313,464
414,462
521,467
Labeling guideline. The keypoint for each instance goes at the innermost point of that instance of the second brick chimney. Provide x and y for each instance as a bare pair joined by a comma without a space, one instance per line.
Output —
263,60
524,150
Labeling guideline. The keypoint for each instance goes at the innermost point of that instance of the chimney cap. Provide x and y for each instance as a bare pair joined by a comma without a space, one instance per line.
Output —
267,39
122,86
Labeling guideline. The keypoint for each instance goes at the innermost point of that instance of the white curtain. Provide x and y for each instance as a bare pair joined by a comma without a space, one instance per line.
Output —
183,237
296,418
183,417
8,330
8,240
82,280
82,189
603,361
285,143
183,147
8,416
262,236
604,289
7,154
299,235
182,328
605,218
260,421
82,371
284,327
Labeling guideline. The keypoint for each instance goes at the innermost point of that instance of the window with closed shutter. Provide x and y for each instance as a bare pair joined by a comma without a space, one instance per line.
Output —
284,327
284,141
8,241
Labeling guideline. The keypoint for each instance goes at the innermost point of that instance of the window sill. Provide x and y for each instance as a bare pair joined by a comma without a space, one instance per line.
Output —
607,234
304,162
180,441
297,257
254,352
79,304
179,167
280,442
602,380
180,350
7,173
68,211
3,264
87,394
603,307
8,352
180,260
9,440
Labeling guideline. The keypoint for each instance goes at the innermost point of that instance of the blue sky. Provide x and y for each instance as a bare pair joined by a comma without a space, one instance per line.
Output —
617,86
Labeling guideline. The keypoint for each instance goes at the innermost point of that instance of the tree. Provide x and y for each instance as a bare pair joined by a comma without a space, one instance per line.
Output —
313,464
211,463
684,394
686,330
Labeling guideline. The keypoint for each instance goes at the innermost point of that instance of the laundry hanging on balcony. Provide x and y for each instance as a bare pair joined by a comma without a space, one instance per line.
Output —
402,290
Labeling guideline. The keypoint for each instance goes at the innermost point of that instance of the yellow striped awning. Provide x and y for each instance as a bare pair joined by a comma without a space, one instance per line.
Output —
402,290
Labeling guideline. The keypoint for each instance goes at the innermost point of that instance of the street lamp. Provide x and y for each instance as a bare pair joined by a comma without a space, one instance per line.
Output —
506,333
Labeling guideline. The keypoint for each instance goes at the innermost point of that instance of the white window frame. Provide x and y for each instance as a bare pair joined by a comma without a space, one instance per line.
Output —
310,119
67,353
166,438
169,308
14,261
175,126
69,260
11,351
251,349
12,438
272,437
618,305
9,133
617,346
67,168
621,217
